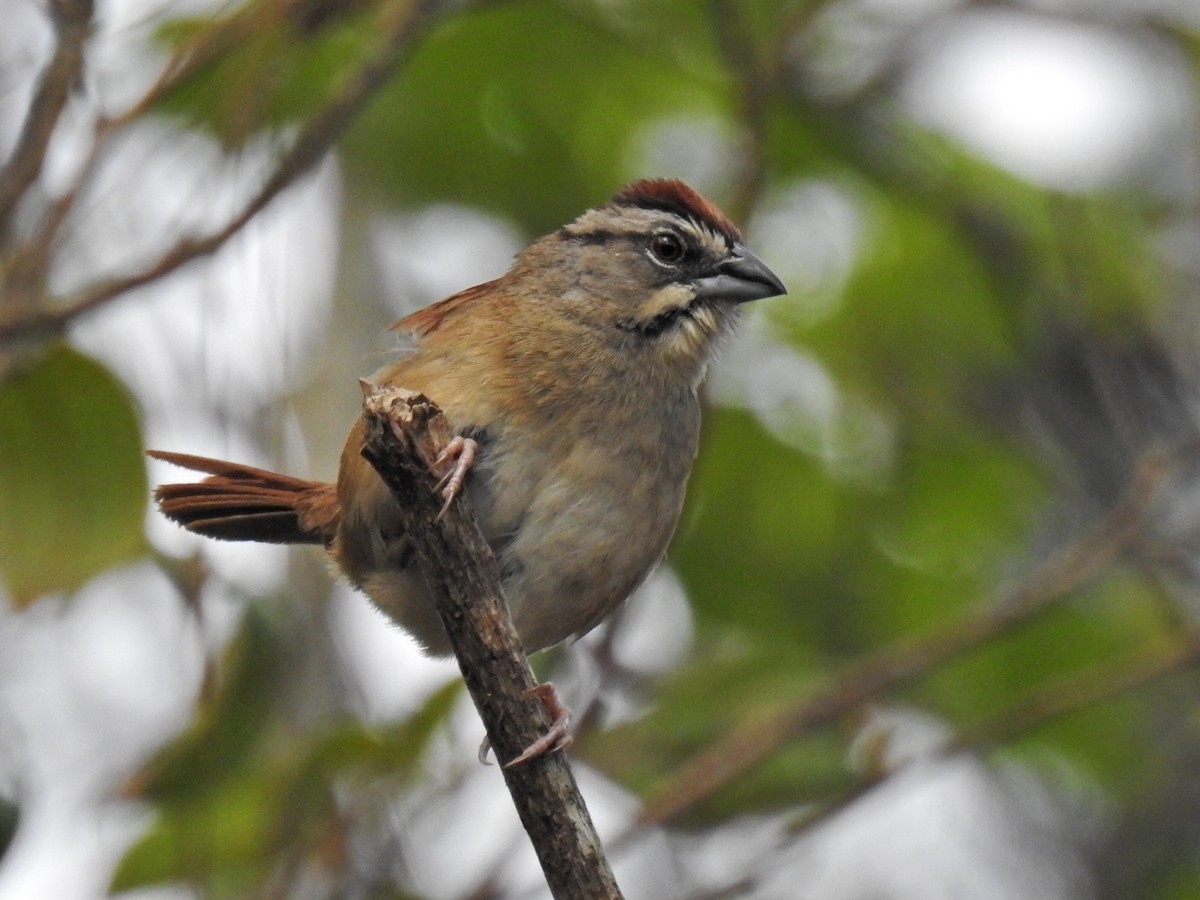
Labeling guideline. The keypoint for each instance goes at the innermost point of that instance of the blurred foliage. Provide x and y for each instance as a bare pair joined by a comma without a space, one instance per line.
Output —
241,794
10,817
71,452
511,108
968,293
261,65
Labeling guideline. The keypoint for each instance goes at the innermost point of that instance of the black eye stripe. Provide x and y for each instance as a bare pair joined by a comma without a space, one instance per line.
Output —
598,236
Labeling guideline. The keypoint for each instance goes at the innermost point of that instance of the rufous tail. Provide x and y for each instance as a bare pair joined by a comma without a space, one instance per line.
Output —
242,503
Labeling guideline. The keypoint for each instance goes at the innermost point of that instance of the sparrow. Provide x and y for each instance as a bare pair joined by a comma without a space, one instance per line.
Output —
571,382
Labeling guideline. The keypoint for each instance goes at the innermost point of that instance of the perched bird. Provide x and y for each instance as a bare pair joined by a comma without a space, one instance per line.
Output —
572,382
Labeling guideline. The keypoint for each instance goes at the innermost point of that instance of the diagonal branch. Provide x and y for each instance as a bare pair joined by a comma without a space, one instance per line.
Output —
405,434
401,25
754,742
1064,697
72,21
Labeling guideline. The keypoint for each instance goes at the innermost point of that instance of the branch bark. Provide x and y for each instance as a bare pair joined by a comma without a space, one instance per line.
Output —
405,433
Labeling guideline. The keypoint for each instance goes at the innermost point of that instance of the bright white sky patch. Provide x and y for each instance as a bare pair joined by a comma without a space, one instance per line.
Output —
1060,103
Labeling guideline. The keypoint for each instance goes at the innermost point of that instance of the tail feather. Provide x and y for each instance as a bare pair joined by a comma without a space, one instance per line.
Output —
243,503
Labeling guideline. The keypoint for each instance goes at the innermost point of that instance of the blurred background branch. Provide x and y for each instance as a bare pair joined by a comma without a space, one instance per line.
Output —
398,27
868,680
72,22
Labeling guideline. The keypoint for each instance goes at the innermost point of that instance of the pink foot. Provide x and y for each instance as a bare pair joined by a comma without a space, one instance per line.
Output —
558,737
462,451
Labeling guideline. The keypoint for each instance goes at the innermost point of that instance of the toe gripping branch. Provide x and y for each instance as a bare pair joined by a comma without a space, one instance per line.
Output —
405,435
411,446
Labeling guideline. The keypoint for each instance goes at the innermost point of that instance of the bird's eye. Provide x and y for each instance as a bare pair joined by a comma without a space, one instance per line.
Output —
667,248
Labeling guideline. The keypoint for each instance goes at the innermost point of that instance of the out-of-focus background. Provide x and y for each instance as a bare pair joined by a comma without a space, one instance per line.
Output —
928,628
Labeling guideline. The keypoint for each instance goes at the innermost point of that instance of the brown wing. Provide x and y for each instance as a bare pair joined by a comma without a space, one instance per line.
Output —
242,503
423,321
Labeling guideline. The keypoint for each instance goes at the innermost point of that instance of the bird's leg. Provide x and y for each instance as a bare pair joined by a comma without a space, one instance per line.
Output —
558,737
462,451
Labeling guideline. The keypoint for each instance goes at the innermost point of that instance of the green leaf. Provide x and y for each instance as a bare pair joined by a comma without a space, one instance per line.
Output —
529,108
262,66
72,482
769,537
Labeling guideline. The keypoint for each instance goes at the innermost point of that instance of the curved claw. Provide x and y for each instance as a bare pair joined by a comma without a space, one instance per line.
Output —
462,450
558,737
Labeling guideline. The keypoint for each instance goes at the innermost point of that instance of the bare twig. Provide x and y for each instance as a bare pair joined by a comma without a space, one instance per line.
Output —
400,26
405,434
72,20
27,267
753,742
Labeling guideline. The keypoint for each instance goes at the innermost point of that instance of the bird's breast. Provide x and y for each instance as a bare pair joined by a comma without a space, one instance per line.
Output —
579,515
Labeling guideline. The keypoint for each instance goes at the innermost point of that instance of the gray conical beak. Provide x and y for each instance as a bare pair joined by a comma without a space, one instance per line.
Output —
742,276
